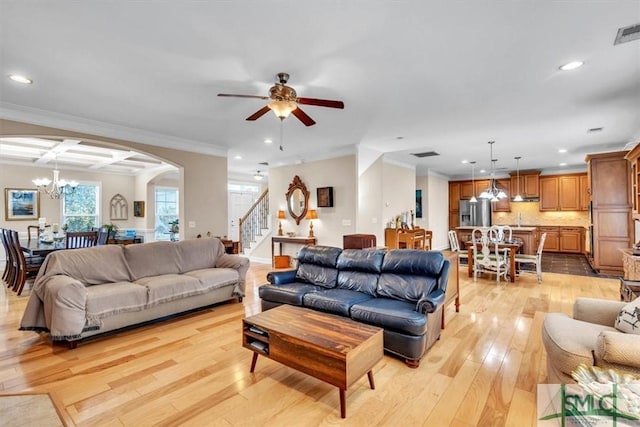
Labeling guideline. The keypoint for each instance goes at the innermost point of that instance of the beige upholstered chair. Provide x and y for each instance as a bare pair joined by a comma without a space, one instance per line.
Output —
588,338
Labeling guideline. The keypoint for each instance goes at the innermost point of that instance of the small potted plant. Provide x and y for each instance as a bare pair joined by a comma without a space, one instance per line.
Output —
175,226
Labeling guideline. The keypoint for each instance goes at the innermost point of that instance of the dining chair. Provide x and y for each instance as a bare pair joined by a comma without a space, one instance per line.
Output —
26,266
33,230
81,239
501,233
103,236
487,256
455,245
7,274
534,259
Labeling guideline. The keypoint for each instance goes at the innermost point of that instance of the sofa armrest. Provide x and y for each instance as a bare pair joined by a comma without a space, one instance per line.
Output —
595,310
239,263
281,277
64,301
618,348
431,302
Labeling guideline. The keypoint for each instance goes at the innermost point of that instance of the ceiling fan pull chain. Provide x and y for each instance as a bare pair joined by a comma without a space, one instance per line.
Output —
281,134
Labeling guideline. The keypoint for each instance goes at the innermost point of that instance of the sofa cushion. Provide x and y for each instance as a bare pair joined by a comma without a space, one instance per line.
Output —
90,266
113,298
169,287
628,319
291,293
213,278
152,259
337,301
198,254
317,265
410,275
390,314
358,270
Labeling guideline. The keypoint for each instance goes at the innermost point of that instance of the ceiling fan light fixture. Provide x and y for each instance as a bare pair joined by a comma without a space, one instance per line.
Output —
281,108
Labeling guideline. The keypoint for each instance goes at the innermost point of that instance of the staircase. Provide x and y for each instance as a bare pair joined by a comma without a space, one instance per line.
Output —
254,223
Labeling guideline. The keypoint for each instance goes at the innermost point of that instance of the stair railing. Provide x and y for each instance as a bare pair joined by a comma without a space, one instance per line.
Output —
254,221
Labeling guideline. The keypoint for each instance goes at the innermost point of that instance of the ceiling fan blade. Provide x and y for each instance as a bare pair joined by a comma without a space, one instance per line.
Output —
261,112
243,96
321,102
304,118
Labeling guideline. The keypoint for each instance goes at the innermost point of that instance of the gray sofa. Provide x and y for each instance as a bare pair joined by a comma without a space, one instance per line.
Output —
83,292
401,291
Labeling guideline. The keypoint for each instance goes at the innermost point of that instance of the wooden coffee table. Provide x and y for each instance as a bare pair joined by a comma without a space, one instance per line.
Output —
333,349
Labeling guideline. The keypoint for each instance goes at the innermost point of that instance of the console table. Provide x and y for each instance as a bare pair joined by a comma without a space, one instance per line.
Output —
285,239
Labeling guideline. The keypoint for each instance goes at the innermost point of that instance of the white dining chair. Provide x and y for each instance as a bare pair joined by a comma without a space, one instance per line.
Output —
487,257
534,259
455,245
501,233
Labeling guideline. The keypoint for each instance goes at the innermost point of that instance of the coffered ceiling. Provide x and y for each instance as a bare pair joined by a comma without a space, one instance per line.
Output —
415,76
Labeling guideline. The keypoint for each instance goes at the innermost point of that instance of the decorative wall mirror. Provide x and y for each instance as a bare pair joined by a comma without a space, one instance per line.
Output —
297,199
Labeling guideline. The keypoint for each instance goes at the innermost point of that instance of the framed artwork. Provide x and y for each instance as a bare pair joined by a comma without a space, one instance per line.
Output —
418,203
325,197
138,208
21,204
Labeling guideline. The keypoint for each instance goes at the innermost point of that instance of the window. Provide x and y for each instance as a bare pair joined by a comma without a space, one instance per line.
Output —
81,210
166,211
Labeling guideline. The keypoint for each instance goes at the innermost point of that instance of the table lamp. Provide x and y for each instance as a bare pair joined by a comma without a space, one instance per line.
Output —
280,217
311,215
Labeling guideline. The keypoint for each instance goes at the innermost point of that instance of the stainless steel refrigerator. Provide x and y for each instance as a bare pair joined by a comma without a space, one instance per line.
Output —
475,214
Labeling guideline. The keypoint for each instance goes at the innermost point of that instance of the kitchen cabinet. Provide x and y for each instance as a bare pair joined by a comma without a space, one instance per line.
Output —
549,193
611,210
585,196
562,192
552,241
633,157
529,184
571,239
481,185
503,205
528,237
466,190
454,196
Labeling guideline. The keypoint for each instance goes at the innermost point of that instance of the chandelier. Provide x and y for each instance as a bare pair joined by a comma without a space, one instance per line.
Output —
493,192
57,188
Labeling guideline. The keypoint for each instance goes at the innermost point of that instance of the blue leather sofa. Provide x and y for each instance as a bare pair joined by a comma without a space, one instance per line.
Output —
401,291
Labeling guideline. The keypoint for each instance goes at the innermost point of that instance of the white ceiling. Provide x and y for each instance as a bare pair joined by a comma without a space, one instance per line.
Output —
415,76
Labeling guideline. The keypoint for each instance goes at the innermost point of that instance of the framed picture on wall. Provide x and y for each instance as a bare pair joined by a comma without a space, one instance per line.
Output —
418,203
138,208
325,197
21,204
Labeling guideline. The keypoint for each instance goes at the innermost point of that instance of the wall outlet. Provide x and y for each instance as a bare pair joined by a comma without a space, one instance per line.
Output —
192,224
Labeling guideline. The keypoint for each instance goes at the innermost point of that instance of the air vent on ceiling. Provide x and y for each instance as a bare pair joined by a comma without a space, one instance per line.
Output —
593,130
264,163
627,34
425,154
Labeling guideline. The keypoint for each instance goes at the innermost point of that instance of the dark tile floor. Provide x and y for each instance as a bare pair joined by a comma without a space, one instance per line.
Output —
565,264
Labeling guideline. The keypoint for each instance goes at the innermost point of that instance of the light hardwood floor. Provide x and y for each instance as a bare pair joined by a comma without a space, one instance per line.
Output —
193,370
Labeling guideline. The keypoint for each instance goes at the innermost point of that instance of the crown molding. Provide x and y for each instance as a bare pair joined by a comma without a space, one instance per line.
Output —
67,122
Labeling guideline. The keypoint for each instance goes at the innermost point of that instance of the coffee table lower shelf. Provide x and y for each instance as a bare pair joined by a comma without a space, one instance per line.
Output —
333,349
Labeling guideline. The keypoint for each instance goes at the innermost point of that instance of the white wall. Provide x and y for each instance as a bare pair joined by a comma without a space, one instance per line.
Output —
398,190
436,207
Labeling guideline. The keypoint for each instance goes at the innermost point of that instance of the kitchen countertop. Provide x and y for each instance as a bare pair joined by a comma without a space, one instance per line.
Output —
514,228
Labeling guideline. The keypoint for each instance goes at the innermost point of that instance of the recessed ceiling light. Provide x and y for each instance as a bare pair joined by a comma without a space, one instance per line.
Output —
238,157
572,65
20,79
483,170
268,141
464,162
562,150
563,164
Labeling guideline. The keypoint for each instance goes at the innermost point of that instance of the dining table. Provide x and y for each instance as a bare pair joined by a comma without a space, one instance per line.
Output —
514,246
35,247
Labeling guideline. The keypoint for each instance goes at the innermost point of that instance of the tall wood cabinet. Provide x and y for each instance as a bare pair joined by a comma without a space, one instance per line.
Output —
633,157
612,226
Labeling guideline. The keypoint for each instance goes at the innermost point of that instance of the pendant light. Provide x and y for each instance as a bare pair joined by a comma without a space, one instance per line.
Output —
518,197
473,182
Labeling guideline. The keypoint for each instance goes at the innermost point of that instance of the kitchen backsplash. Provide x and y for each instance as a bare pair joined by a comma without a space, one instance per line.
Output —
530,215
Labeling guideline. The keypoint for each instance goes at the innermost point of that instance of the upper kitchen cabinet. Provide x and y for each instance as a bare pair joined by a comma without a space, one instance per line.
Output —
529,184
563,193
633,157
466,190
454,196
503,205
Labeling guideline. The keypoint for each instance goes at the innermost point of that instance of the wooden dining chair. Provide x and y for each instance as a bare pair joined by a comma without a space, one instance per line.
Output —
26,267
7,274
103,236
81,239
33,232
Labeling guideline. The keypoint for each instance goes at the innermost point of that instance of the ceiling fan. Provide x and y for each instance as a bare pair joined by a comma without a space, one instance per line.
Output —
283,100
